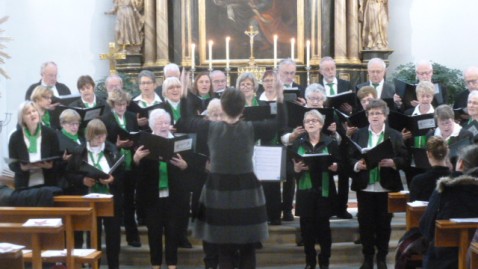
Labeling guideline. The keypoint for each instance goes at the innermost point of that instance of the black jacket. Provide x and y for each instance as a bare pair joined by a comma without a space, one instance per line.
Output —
60,87
454,197
18,150
390,178
423,185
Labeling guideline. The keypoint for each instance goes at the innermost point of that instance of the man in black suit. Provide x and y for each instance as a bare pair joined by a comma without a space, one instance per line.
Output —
333,86
219,82
471,82
287,69
376,69
49,73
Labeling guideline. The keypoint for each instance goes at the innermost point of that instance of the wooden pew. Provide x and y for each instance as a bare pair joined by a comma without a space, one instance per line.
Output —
74,219
413,216
12,260
397,201
454,234
34,238
474,254
102,207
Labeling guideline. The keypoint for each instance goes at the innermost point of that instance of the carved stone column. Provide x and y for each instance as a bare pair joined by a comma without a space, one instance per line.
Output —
353,40
186,33
340,34
162,40
149,33
315,31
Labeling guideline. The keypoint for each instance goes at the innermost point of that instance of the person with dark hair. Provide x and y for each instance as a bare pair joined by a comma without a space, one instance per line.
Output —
86,87
200,94
232,212
422,185
456,196
372,184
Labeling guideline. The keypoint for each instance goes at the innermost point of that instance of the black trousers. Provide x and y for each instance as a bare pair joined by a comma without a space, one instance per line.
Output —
211,254
374,223
228,253
288,191
343,191
129,207
161,218
112,227
273,199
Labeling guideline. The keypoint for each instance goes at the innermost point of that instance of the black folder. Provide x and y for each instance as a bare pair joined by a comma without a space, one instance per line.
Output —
472,127
296,115
65,100
456,146
417,125
258,113
406,91
358,119
460,112
142,111
46,159
337,100
90,171
291,94
127,135
420,158
86,114
164,148
374,155
315,161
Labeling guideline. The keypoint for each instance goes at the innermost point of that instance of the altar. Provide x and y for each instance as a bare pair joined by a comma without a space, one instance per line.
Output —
211,34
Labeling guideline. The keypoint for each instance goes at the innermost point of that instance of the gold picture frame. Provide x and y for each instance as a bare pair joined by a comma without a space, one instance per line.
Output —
215,24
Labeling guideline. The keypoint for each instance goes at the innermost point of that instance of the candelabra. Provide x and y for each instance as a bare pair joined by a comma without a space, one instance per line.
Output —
192,74
228,78
308,75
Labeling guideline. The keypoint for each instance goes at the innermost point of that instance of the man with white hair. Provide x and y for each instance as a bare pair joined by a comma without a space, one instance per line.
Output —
376,69
49,74
169,70
287,69
219,82
471,83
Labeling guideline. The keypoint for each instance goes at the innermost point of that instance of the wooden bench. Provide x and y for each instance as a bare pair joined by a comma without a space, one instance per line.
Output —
11,260
413,216
454,234
74,219
102,207
474,255
397,201
35,238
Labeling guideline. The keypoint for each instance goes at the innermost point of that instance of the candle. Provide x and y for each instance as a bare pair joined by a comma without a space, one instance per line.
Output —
307,50
227,52
193,60
292,47
275,51
210,54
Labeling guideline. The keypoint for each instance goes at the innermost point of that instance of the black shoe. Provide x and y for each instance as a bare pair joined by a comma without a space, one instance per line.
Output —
308,266
381,264
287,216
185,243
275,222
367,264
344,215
358,241
135,244
323,266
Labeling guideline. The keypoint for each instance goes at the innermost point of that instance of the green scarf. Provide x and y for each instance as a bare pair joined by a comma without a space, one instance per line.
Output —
98,187
254,102
375,172
128,156
75,138
305,182
205,97
145,105
176,112
163,174
46,119
88,105
33,139
420,141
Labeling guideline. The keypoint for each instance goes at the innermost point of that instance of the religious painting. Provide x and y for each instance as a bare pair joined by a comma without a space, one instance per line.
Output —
219,19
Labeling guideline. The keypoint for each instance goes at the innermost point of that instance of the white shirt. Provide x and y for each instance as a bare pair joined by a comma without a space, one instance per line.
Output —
105,167
416,111
327,87
263,97
36,175
456,131
376,187
156,100
89,104
52,88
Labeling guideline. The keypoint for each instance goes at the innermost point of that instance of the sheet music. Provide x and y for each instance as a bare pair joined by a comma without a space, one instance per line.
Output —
418,203
97,195
465,220
43,223
267,162
426,124
405,192
182,145
7,247
92,114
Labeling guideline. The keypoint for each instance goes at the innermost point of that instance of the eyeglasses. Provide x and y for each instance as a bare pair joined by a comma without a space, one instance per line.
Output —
375,113
219,81
288,73
425,73
146,83
313,121
73,124
472,82
268,80
246,84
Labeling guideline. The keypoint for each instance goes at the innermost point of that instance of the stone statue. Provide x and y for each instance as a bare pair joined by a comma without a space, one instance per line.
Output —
129,25
374,17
